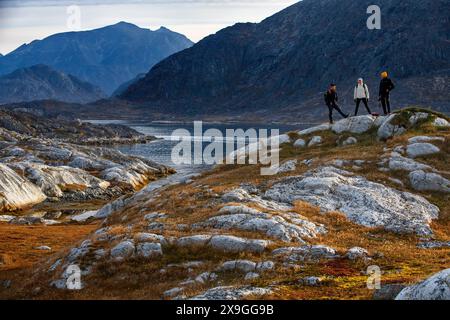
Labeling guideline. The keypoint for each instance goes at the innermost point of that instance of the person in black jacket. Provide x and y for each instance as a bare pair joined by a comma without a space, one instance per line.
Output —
386,86
331,99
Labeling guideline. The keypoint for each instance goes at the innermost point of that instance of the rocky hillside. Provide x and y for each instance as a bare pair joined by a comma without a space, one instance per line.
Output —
45,159
278,69
41,82
106,57
34,122
366,191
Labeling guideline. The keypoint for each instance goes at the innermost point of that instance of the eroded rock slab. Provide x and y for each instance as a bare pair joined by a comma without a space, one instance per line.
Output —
362,201
437,287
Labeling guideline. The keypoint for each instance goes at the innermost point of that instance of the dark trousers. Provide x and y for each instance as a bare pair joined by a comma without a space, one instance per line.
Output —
334,106
386,103
366,103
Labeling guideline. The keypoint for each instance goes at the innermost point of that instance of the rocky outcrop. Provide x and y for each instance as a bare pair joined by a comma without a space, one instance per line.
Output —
428,181
226,243
274,226
437,287
362,201
357,125
16,192
232,293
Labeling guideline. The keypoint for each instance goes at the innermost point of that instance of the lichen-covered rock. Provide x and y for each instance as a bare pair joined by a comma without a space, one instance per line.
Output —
249,219
437,287
232,293
149,249
356,253
17,192
123,250
357,125
428,181
421,149
398,162
305,253
239,265
322,127
362,201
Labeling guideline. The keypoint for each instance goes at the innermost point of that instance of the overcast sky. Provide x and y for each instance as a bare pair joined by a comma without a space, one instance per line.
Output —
24,21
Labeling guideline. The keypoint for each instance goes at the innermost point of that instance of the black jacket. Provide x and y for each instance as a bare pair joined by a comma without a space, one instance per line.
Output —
386,86
331,97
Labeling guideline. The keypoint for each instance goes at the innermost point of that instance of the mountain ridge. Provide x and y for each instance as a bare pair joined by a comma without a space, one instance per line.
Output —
288,60
106,57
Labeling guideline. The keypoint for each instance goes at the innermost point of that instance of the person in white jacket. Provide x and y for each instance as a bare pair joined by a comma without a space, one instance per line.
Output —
362,94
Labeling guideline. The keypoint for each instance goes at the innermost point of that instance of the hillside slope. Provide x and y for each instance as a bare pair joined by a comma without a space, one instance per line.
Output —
41,82
287,60
106,57
371,191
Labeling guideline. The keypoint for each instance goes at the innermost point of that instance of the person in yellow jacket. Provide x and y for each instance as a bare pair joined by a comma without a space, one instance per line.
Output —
386,86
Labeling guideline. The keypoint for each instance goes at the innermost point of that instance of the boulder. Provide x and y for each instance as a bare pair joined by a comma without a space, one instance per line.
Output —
427,181
359,124
251,276
16,192
239,265
148,250
441,122
316,140
306,253
300,143
357,253
350,141
362,201
123,250
421,149
437,287
398,162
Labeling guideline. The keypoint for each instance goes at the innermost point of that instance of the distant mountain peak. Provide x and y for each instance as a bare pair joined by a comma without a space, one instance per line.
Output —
41,82
124,24
106,57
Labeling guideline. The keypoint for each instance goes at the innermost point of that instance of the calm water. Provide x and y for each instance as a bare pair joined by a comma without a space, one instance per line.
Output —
160,151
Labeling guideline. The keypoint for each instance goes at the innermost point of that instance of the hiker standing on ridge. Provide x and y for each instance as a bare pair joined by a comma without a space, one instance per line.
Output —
361,94
331,99
386,86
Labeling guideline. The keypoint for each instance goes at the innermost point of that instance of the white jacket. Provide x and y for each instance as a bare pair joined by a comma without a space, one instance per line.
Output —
361,92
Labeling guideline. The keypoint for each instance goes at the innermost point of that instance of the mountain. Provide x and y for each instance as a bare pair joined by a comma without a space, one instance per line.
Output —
40,82
106,57
286,62
124,86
